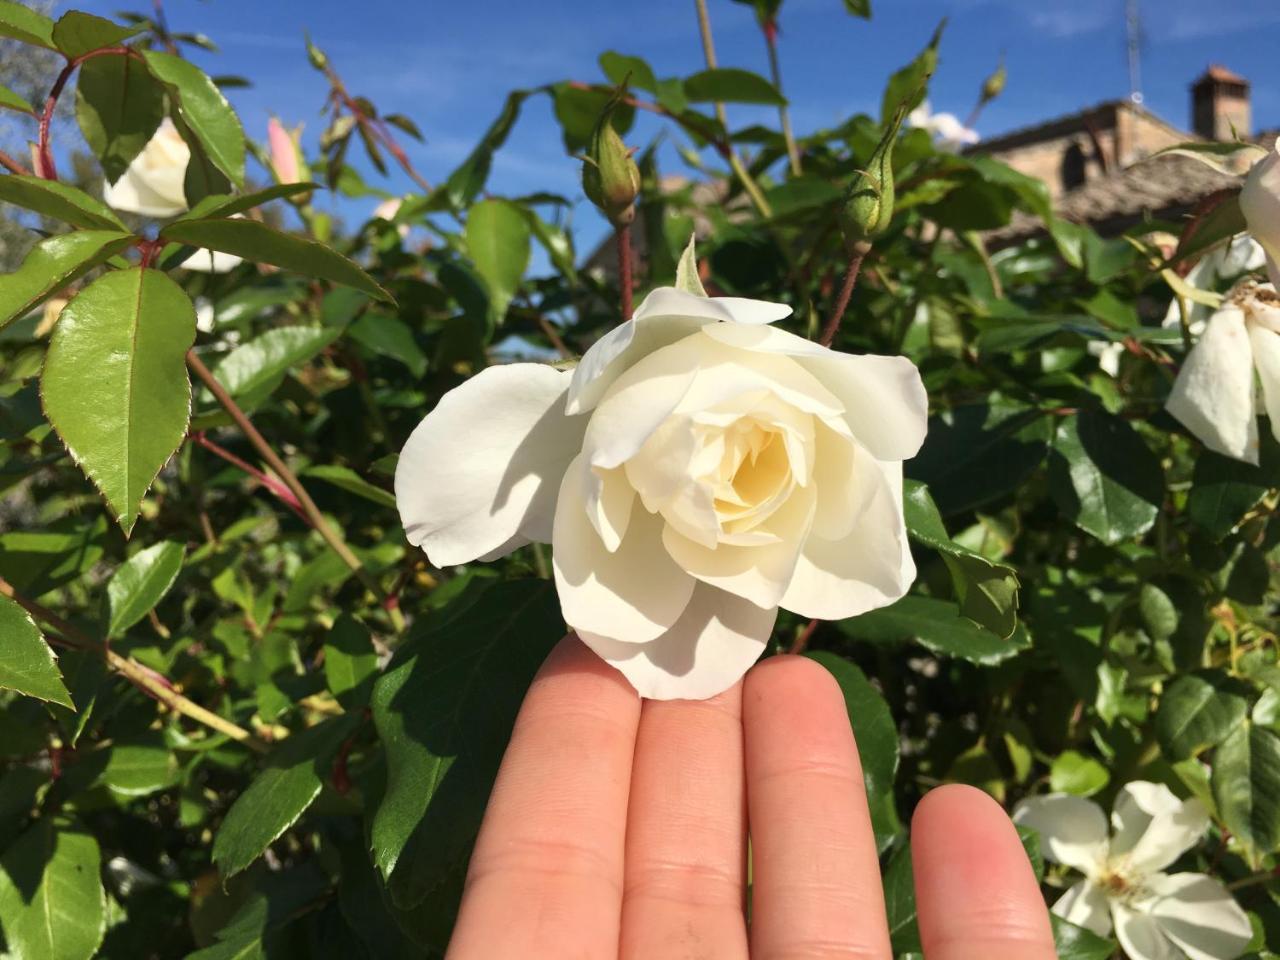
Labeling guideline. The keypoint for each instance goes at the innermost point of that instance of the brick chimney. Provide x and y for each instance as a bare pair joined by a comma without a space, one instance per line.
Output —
1219,103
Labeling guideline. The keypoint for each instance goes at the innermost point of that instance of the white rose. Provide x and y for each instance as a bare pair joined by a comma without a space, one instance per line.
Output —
948,133
152,185
697,471
1156,915
1214,395
1260,201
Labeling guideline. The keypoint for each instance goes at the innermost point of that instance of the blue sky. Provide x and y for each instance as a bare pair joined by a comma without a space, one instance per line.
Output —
449,64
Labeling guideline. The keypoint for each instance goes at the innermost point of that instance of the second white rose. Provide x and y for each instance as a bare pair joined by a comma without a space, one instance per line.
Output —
697,471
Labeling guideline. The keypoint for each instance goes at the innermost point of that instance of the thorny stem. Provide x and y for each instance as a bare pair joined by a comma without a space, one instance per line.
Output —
45,155
842,301
144,678
273,485
784,113
309,508
375,128
625,282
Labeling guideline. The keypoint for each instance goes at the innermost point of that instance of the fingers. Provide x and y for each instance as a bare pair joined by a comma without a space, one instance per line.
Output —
976,895
546,876
817,890
686,833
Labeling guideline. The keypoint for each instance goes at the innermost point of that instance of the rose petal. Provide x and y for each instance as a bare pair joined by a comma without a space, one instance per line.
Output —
1086,905
632,594
1198,914
1266,358
870,567
884,400
1073,831
1153,826
211,261
704,653
610,497
1213,395
1141,936
486,464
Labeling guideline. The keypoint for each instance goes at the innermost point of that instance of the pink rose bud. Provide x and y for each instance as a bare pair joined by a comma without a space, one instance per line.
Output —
284,153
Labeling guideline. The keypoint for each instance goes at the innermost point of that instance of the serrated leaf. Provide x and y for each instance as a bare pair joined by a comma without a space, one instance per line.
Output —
119,107
938,626
58,200
259,243
499,243
1074,772
229,206
204,110
280,794
11,101
987,591
468,179
350,662
19,22
27,665
1104,478
252,371
620,68
1078,943
140,583
1199,711
52,264
1224,490
78,33
390,337
731,85
1246,786
51,897
352,482
444,711
115,382
38,561
140,768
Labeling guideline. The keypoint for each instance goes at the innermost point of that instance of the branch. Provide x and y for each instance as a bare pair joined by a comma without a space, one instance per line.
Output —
44,155
784,113
271,484
375,128
144,678
308,506
12,165
625,282
842,302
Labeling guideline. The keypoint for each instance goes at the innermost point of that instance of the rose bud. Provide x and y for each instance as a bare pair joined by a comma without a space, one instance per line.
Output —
610,177
868,206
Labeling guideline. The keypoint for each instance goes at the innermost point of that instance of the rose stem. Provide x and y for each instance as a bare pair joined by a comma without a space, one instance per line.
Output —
314,516
770,30
271,484
12,165
144,678
802,638
47,169
842,301
624,268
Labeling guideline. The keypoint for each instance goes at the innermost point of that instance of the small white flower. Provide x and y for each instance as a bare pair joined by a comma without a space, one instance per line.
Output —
387,211
697,471
1221,266
1214,395
153,183
1156,915
948,132
1260,202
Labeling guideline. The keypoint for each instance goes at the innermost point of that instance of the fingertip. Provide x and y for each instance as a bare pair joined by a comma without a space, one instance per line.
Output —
956,801
790,678
572,668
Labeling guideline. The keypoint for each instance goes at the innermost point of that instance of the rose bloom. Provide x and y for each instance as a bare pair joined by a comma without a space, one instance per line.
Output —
1260,203
698,470
1156,915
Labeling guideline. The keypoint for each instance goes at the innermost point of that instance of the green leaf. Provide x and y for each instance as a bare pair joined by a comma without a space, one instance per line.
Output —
859,8
78,33
1158,611
119,106
1104,478
938,626
1246,786
280,794
252,371
910,85
203,178
987,591
390,337
620,69
444,711
1079,943
466,182
27,665
900,902
140,768
1214,226
58,200
52,264
877,738
578,110
350,662
140,583
731,85
204,110
1225,490
687,278
1074,772
1198,711
37,561
51,897
19,22
352,482
221,205
11,101
499,243
115,382
259,243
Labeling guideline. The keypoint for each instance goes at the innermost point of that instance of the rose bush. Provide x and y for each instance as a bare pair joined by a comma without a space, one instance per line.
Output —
696,471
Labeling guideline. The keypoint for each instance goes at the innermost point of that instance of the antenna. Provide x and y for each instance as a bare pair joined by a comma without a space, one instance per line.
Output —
1133,23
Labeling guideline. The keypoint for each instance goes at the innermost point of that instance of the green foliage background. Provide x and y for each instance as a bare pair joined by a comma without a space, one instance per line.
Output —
272,735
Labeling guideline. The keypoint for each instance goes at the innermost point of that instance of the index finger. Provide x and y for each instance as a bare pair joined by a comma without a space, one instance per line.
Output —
547,867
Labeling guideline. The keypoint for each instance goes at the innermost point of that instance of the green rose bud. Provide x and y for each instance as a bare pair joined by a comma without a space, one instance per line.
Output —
610,176
868,206
993,86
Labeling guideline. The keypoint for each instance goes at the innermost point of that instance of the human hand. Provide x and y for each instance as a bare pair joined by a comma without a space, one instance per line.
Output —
619,829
